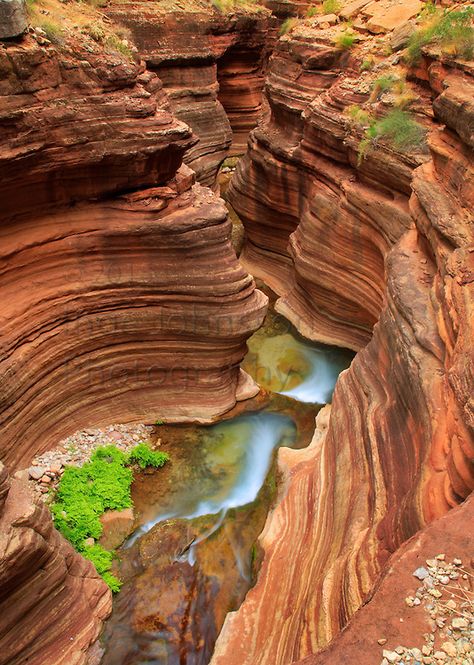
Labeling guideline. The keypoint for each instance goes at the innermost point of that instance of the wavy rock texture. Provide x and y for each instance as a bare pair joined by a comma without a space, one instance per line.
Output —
381,615
398,448
40,570
110,311
212,67
301,196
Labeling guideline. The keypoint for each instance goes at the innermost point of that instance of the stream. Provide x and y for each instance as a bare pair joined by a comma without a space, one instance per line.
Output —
193,554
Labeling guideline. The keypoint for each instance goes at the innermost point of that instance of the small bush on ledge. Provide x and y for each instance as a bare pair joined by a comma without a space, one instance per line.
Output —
86,492
345,40
451,31
287,25
398,128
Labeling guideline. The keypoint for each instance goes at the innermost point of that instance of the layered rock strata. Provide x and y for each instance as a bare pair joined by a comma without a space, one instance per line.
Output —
301,195
128,306
39,571
396,230
211,64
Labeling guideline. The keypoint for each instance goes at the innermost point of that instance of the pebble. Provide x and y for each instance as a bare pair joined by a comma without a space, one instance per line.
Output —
382,641
47,468
36,472
435,593
459,623
391,656
449,648
421,573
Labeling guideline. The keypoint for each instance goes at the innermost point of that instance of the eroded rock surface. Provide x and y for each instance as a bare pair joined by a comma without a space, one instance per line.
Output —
390,240
211,64
52,601
122,298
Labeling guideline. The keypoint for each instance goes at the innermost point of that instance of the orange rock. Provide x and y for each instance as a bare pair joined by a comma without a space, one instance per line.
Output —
385,19
53,602
117,525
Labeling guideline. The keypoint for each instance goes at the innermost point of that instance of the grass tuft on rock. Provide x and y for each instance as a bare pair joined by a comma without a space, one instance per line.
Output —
287,25
331,7
398,128
345,40
451,31
85,493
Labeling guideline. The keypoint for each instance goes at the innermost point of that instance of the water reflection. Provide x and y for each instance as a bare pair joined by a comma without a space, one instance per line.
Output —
282,361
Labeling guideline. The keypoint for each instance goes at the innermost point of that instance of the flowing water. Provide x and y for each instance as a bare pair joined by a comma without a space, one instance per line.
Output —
192,554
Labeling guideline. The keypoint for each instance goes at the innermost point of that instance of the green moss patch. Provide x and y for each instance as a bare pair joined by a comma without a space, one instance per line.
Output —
86,492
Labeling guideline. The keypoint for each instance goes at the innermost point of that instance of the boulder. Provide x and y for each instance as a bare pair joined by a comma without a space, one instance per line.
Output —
13,18
117,526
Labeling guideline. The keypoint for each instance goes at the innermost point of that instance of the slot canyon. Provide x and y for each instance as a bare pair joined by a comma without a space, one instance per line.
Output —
237,243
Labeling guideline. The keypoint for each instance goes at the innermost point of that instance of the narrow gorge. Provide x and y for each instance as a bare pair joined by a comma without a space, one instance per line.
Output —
236,242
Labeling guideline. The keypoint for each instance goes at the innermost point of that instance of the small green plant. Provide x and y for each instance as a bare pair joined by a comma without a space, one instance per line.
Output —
144,456
384,83
429,10
95,30
287,25
401,129
159,422
367,65
53,31
452,31
331,7
345,40
114,43
397,127
85,493
359,115
312,11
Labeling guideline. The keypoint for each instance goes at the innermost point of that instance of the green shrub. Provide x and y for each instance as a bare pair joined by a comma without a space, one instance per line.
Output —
451,31
85,493
367,65
144,456
95,30
113,582
287,25
331,7
359,115
345,40
100,557
312,11
114,43
398,128
384,83
160,422
53,31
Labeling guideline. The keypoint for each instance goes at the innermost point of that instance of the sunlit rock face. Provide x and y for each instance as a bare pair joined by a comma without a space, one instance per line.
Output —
121,296
212,65
52,601
318,224
396,452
